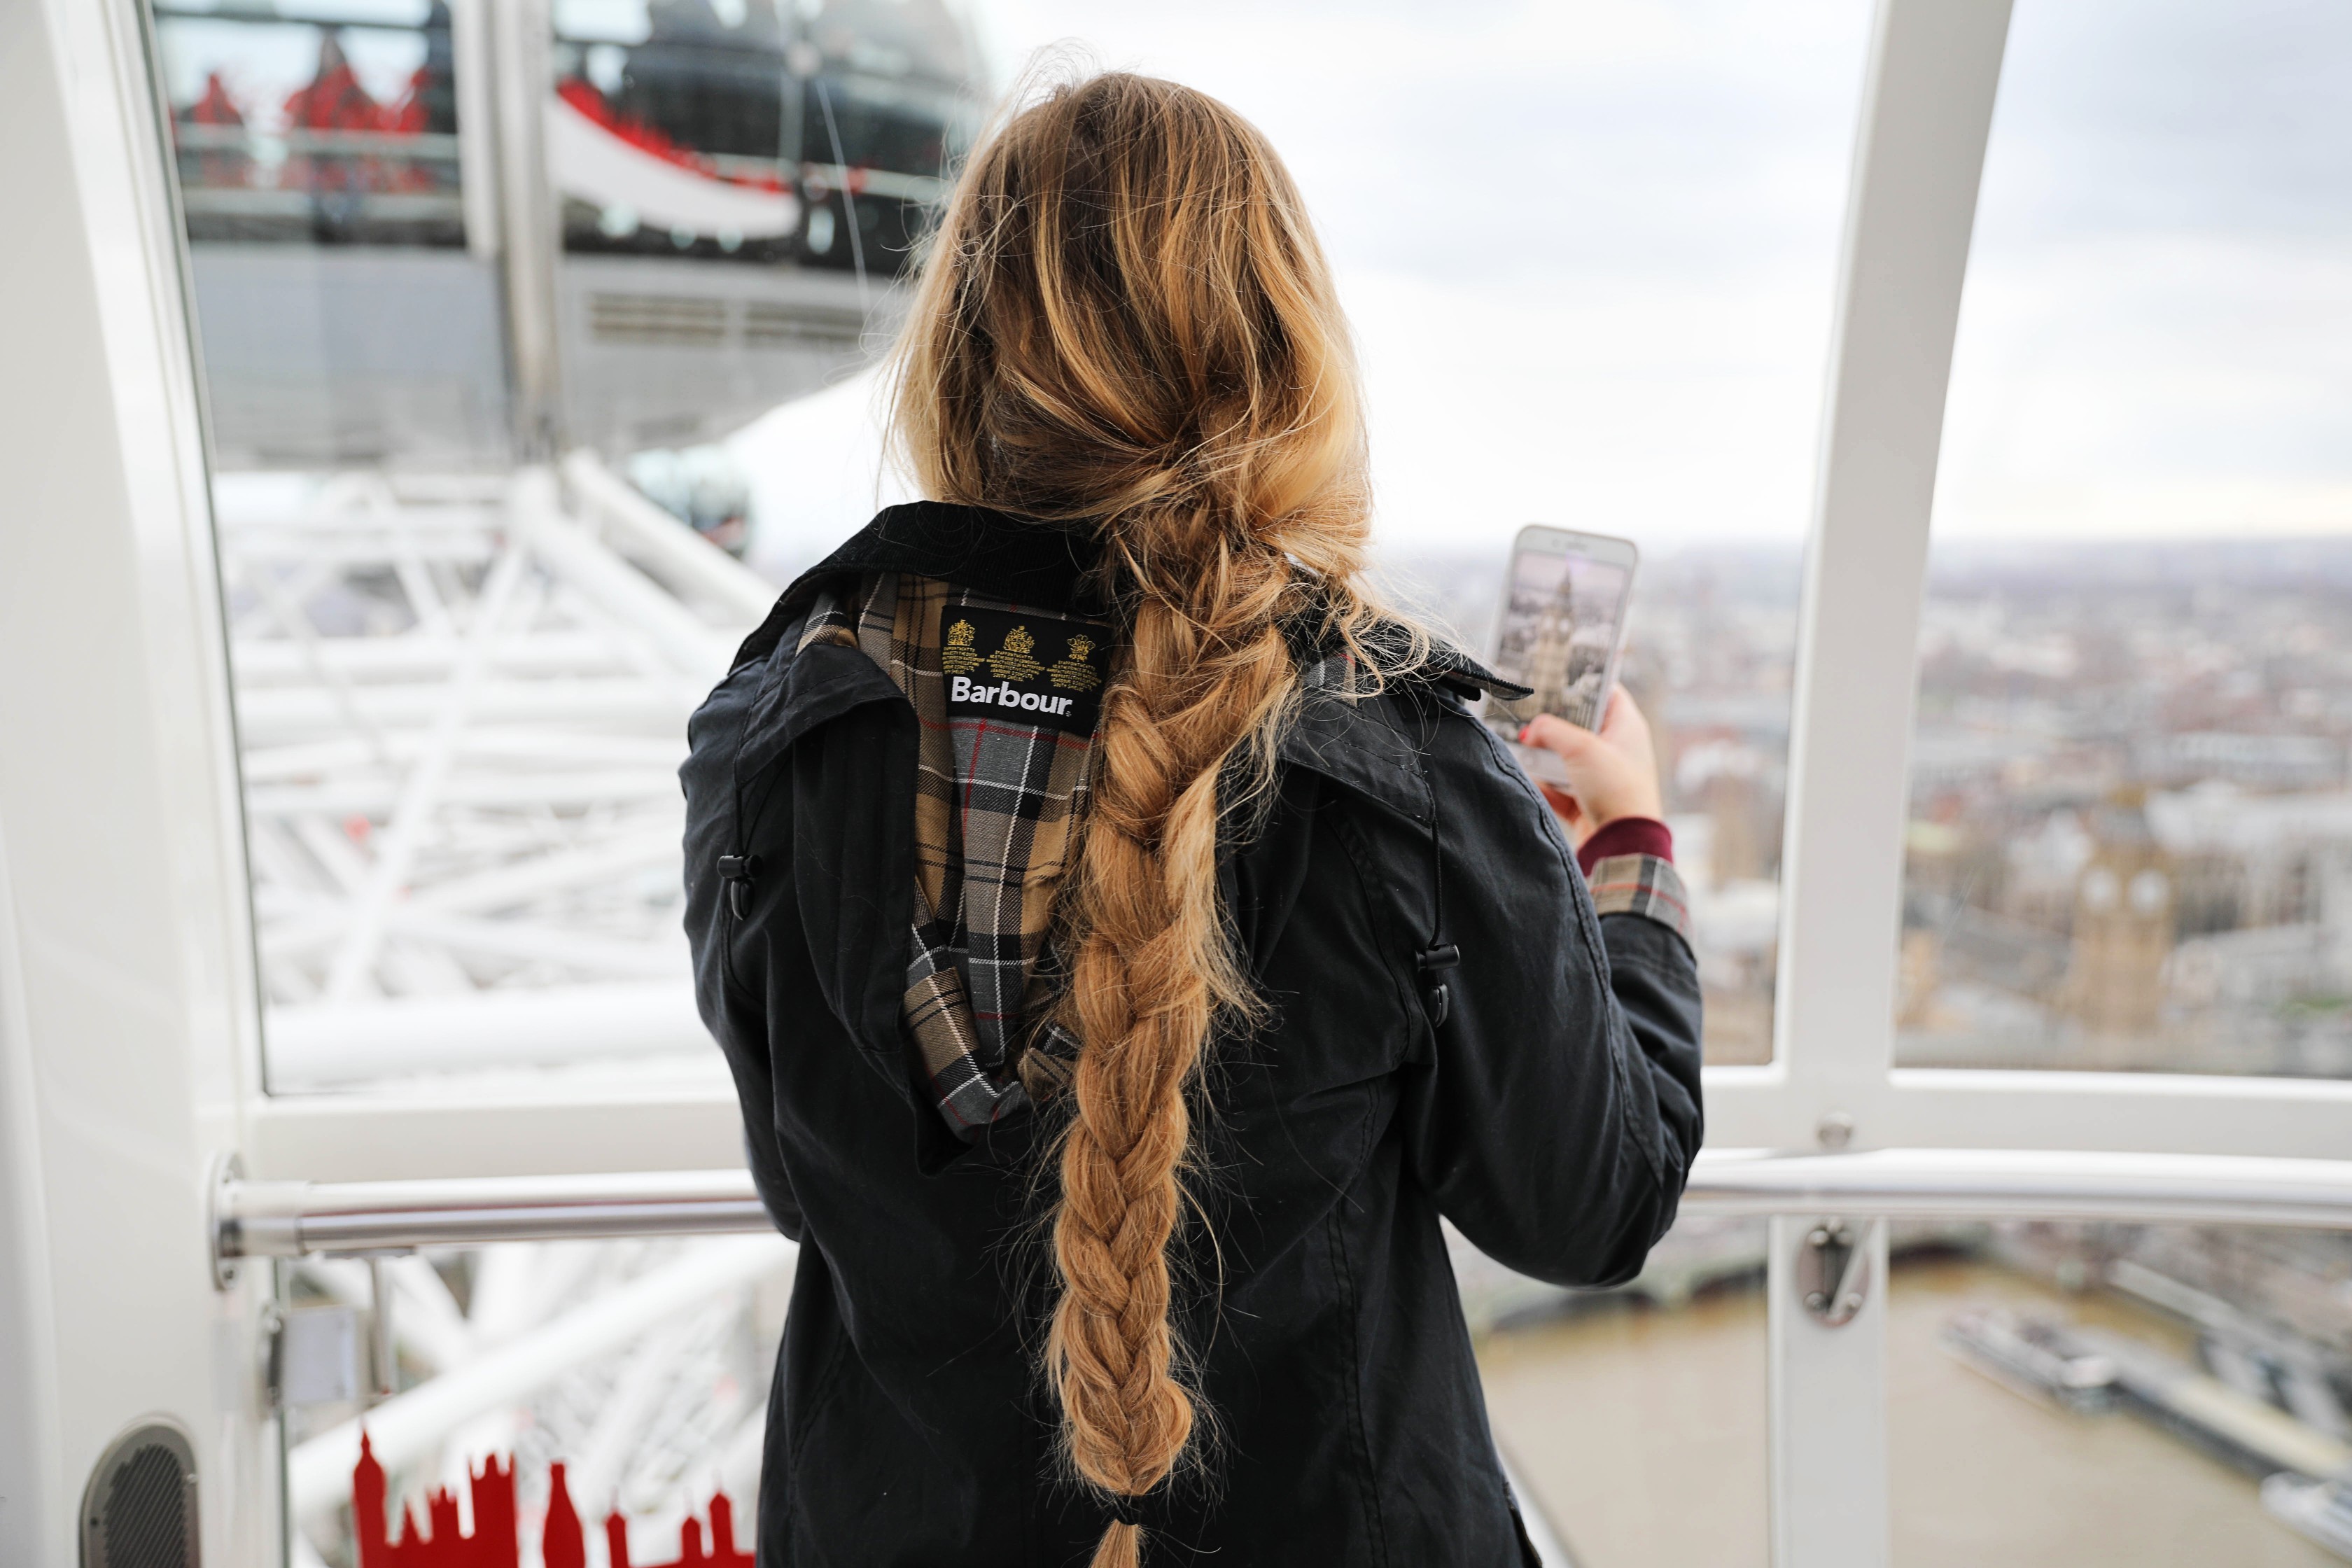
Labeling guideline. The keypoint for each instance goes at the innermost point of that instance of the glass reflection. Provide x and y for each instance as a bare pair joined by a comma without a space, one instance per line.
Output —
335,129
348,296
815,134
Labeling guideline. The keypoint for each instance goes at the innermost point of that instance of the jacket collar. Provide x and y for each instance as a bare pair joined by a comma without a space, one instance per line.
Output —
1041,563
1048,565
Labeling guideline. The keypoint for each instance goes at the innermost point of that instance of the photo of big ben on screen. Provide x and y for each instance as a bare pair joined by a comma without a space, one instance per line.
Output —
1559,635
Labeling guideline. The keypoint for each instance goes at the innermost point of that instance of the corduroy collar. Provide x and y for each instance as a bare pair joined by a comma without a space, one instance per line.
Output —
1048,565
1041,563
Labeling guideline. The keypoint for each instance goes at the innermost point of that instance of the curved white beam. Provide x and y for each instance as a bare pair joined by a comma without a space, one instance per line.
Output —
1926,111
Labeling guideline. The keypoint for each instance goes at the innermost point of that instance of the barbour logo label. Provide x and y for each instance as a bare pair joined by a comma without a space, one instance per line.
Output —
1024,668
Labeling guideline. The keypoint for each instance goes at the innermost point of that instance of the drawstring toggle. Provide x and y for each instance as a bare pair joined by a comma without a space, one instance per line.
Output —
739,872
1436,995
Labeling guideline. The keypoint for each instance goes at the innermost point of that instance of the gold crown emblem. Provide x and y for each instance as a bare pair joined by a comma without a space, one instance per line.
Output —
1074,673
958,657
1012,662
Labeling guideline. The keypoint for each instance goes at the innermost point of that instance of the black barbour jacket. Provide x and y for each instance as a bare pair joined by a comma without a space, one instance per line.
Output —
1552,1116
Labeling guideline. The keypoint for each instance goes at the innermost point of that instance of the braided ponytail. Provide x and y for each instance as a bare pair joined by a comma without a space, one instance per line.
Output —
1125,323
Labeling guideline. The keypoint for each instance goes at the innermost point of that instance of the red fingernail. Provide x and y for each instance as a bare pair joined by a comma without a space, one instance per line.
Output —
1523,733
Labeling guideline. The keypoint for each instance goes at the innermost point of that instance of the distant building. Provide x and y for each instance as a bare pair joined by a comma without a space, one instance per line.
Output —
2123,927
2257,761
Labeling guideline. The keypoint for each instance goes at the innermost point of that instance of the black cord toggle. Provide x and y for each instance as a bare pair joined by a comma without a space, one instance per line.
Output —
1436,995
739,872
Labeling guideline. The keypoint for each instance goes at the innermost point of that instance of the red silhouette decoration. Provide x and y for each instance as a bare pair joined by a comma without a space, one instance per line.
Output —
496,1543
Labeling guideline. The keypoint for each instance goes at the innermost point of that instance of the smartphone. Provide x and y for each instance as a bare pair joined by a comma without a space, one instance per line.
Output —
1560,630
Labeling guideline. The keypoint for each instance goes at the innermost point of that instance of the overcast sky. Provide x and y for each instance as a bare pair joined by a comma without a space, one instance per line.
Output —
1589,250
2157,333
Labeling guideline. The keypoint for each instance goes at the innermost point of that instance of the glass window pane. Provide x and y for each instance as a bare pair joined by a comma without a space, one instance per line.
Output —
1615,1410
462,679
2082,1395
2129,793
459,828
1600,298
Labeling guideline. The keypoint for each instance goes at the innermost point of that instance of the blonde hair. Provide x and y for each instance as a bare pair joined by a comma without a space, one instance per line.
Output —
1125,323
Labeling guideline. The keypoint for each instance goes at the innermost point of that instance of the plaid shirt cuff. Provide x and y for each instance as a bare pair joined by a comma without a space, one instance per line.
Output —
1642,885
1626,836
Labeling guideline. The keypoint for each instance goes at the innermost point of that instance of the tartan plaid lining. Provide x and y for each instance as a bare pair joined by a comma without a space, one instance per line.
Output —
1642,885
997,804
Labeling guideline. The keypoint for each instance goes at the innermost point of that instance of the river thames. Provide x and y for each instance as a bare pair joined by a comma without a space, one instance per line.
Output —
1640,1431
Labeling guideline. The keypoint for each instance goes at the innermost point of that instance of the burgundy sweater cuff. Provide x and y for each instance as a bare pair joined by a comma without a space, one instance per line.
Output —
1627,836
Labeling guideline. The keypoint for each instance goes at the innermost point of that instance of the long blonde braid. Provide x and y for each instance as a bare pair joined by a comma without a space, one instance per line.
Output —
1125,323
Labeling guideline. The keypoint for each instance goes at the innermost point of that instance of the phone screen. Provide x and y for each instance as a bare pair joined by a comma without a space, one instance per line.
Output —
1562,623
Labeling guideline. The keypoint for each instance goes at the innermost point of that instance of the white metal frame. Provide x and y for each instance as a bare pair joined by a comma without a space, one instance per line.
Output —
1935,68
128,1029
125,947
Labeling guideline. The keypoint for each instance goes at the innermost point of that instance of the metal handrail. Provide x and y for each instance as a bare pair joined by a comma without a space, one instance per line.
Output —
289,1219
2027,1184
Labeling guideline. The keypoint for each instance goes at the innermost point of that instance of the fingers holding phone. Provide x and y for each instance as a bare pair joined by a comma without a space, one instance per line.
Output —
1612,772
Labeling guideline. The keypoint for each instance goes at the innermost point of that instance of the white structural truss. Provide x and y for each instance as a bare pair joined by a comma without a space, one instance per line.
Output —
640,1365
461,705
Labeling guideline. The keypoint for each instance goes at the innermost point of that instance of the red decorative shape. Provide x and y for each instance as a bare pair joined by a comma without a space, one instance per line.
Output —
495,1542
444,1544
722,1533
560,1541
494,1514
367,1508
691,1551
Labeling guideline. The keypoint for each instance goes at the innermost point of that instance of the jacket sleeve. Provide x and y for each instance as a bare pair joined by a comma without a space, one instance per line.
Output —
731,1010
1557,1114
